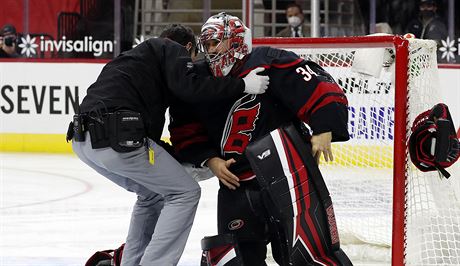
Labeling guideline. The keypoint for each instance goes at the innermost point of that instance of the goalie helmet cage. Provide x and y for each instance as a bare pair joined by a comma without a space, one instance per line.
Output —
381,200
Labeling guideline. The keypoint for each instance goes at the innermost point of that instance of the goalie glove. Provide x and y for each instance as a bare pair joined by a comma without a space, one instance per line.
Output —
109,257
433,144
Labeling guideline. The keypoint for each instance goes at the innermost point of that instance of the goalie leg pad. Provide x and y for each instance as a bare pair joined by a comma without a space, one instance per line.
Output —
241,213
302,207
220,250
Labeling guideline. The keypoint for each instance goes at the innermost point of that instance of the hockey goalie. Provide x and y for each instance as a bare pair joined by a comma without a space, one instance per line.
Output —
271,190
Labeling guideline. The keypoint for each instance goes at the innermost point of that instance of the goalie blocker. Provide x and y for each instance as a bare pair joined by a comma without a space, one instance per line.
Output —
297,201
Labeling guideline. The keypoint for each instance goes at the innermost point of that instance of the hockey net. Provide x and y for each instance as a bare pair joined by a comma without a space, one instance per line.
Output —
387,211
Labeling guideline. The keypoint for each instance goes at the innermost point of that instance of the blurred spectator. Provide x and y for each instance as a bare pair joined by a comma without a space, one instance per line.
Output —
383,27
279,18
428,25
8,42
295,18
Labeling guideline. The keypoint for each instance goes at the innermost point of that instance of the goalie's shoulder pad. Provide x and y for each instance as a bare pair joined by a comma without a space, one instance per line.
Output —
433,143
269,57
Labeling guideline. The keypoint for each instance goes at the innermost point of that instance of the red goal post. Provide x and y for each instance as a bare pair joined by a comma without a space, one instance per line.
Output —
400,164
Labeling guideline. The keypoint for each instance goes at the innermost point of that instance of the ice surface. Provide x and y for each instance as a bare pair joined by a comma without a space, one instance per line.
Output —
54,210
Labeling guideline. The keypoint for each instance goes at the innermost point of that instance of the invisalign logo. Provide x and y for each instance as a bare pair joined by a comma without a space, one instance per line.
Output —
448,49
28,46
87,45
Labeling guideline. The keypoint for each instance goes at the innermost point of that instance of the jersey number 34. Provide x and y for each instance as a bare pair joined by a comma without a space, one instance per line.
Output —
306,72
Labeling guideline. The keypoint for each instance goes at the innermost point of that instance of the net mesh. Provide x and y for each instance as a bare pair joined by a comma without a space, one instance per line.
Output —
433,203
360,179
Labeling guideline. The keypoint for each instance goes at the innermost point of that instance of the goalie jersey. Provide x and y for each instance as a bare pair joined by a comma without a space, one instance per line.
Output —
299,90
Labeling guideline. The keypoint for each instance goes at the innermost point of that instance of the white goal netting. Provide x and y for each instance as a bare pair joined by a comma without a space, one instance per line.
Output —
361,178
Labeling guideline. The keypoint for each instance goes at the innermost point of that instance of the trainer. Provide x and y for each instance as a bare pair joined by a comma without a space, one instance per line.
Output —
118,128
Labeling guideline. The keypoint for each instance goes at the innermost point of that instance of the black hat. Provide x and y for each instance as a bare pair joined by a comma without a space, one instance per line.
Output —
8,29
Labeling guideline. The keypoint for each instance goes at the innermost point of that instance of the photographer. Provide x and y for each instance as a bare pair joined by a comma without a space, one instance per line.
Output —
8,42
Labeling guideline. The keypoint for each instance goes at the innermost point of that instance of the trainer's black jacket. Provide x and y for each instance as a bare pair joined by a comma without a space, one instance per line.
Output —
145,79
299,90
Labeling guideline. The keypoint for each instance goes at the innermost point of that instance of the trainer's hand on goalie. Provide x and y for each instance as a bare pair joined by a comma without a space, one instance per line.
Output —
220,168
321,144
256,84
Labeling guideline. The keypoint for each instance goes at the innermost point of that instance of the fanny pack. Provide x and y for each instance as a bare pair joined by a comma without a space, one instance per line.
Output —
122,130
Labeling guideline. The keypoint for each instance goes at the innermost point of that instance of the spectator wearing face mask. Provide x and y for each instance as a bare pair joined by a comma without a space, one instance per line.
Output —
428,25
8,38
296,26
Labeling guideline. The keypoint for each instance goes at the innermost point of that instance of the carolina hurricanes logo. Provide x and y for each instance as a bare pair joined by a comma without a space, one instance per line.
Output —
240,123
235,224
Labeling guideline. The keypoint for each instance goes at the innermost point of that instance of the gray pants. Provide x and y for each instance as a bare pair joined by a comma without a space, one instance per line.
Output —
163,187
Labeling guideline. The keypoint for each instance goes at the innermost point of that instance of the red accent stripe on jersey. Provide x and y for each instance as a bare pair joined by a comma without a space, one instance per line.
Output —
321,89
293,63
186,130
246,176
191,141
330,99
186,135
298,164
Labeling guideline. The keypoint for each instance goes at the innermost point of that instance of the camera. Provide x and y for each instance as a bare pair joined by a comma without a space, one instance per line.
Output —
9,40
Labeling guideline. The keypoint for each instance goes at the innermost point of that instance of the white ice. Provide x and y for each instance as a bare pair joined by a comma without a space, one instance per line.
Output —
54,210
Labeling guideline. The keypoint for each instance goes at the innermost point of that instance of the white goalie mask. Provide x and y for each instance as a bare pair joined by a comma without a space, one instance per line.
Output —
222,27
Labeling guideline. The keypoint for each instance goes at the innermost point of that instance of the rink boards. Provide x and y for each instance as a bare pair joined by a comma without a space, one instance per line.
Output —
37,99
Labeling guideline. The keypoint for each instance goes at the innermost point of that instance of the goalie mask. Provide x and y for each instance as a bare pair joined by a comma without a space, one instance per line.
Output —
433,144
220,28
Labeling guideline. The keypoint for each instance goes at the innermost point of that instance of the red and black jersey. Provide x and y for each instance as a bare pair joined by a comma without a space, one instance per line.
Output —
145,78
298,90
